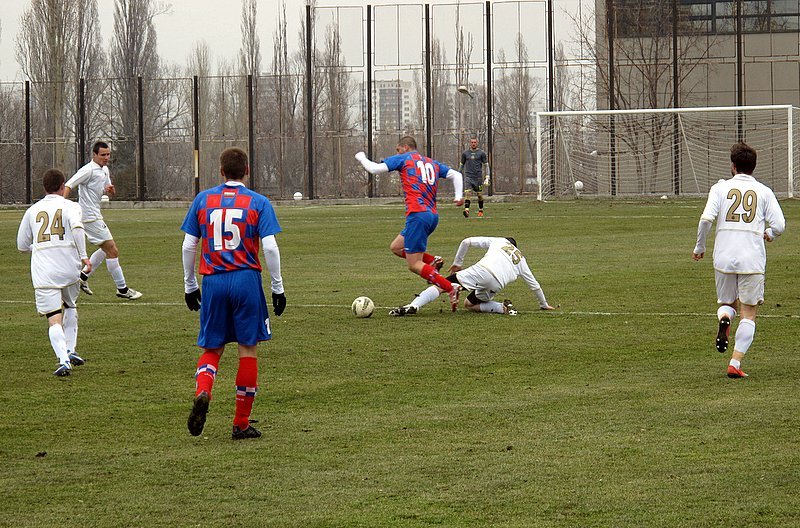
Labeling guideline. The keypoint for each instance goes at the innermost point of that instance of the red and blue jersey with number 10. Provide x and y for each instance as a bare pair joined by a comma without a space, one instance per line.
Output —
418,175
230,220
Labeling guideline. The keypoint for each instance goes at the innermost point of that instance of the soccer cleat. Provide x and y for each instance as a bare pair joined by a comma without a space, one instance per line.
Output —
466,213
197,417
722,334
131,294
508,308
64,369
453,294
76,360
480,214
735,373
437,263
243,434
85,287
403,310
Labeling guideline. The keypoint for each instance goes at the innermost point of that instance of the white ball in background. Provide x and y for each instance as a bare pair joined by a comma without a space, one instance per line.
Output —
579,186
664,197
104,198
593,153
298,195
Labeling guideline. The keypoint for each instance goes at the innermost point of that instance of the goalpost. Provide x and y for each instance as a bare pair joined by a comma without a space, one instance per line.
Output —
670,151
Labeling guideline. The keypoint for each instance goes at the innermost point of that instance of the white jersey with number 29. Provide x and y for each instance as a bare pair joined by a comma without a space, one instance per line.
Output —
743,208
504,261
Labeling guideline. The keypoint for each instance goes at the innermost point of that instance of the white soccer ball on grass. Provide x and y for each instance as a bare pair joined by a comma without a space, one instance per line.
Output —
579,186
298,195
363,307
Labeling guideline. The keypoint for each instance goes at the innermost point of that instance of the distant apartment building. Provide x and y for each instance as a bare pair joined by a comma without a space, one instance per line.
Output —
392,104
716,40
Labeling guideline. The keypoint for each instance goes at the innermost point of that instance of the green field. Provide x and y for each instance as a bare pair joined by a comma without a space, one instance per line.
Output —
612,411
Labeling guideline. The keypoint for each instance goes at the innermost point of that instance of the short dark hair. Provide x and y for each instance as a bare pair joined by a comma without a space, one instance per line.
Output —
744,157
233,162
512,240
408,141
98,145
52,180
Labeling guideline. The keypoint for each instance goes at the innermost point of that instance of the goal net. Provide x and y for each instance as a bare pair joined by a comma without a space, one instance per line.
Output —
681,151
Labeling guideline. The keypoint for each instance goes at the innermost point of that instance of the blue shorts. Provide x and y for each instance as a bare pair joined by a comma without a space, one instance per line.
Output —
233,310
419,227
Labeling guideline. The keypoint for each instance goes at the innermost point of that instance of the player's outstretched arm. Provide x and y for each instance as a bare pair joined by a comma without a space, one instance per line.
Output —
371,166
458,186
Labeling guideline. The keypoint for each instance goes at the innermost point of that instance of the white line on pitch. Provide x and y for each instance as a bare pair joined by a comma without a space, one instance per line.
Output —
344,306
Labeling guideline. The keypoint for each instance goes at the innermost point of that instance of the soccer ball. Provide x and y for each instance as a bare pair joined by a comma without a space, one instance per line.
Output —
363,307
298,195
579,186
104,198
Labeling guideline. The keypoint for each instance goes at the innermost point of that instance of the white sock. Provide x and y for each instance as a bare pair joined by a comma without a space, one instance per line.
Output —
726,310
744,335
735,363
96,259
492,307
427,296
59,343
116,273
71,328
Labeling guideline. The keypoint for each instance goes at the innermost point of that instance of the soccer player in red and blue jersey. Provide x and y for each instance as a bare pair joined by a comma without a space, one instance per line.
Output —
229,221
419,175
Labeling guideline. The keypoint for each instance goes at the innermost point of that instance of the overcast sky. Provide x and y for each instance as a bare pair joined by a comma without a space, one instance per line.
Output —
218,23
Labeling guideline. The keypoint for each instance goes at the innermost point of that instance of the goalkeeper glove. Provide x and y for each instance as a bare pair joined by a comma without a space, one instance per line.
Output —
278,303
193,300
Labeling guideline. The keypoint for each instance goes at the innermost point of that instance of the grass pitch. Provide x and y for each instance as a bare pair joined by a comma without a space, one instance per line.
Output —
612,411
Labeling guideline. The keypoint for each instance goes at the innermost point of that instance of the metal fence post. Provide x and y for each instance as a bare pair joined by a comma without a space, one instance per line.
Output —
140,166
251,138
489,102
28,161
370,177
81,154
196,124
309,108
428,86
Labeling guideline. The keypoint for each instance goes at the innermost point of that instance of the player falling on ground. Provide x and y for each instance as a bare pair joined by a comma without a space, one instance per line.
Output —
501,265
419,175
751,215
52,231
472,162
93,180
230,220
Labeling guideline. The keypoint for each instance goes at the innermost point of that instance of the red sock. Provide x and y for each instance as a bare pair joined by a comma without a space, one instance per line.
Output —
206,372
430,274
246,386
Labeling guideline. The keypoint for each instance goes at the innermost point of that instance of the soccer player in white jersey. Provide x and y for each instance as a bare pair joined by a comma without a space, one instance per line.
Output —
93,180
747,214
501,265
51,230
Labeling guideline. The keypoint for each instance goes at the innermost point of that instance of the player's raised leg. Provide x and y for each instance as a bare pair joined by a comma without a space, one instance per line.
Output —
204,376
725,315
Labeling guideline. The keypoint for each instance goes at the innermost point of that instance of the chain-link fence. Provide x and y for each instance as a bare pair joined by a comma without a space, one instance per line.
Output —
361,77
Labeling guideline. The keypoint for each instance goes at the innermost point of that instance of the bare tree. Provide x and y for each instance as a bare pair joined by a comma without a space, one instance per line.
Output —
50,32
135,54
642,72
515,95
250,52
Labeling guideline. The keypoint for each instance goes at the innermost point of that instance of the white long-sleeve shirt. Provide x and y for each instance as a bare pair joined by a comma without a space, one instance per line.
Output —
744,209
504,261
52,230
91,181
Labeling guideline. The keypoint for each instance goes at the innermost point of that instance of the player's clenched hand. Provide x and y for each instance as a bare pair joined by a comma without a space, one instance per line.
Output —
193,300
458,203
360,156
278,303
453,269
698,256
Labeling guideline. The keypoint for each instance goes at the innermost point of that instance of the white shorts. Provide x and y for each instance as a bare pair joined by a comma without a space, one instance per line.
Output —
97,232
479,280
747,288
53,299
